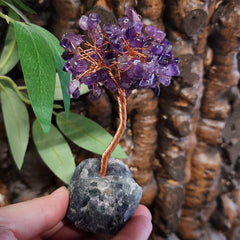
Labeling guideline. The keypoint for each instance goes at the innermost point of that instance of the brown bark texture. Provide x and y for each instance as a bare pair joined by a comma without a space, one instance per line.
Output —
183,146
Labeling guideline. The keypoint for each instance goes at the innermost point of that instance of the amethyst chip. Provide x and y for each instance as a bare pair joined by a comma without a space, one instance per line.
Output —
133,58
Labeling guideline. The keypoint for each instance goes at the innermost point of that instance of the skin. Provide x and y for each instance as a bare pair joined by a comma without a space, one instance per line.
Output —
42,218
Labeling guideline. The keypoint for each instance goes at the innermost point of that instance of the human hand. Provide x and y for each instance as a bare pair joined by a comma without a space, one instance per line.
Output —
41,218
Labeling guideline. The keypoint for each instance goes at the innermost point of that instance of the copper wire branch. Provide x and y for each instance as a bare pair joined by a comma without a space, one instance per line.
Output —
121,97
122,111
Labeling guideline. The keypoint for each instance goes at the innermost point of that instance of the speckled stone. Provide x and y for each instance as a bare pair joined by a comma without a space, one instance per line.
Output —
102,204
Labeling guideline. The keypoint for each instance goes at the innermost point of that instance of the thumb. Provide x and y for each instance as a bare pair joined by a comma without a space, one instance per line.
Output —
139,227
29,219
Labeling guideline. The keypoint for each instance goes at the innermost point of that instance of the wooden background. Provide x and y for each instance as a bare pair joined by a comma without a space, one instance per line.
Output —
183,146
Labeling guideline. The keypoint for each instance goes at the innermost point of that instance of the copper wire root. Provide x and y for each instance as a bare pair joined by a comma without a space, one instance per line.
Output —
122,111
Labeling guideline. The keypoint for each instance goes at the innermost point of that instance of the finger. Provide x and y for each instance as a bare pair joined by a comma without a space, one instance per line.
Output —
28,219
138,228
68,232
53,230
143,210
6,234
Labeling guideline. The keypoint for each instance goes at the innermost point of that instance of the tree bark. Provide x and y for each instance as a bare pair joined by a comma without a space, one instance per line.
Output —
183,146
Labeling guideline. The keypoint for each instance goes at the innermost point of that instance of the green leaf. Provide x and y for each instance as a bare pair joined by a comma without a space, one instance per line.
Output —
6,81
17,3
9,56
58,92
19,13
2,4
87,134
16,122
57,51
84,89
39,70
54,151
21,5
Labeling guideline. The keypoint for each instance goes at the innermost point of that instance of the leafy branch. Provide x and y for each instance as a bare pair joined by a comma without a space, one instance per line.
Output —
39,53
15,87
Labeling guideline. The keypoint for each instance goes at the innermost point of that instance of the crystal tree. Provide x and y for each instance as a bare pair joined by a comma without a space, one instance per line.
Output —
120,58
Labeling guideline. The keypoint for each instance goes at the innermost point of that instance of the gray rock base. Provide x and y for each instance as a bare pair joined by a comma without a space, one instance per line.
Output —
102,204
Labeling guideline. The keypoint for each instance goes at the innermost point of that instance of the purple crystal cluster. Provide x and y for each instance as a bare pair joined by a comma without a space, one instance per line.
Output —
118,56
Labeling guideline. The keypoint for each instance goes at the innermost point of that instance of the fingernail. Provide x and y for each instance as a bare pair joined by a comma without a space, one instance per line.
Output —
59,190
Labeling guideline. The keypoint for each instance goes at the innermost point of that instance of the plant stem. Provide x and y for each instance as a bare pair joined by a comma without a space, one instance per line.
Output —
122,111
22,88
15,87
17,90
6,17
